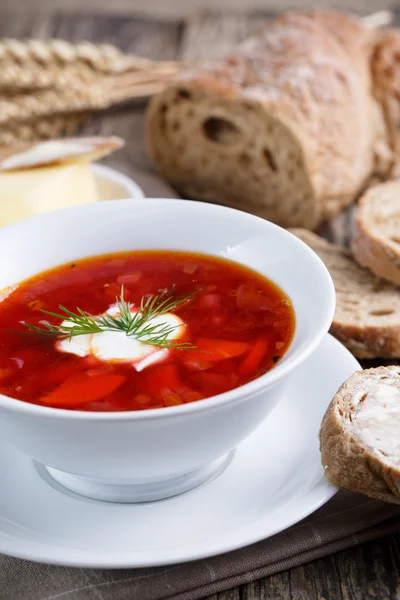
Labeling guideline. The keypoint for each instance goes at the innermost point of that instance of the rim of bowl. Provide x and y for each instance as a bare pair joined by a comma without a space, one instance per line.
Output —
130,186
277,373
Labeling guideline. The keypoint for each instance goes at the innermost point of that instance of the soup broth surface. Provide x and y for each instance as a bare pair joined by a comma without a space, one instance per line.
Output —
239,323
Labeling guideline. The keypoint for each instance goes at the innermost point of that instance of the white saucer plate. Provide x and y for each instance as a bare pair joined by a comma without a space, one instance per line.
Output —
274,480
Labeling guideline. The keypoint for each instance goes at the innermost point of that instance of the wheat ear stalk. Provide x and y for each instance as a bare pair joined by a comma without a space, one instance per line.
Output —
54,126
36,64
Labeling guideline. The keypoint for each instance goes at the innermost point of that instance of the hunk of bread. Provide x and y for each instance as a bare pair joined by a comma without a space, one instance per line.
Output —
385,70
359,435
376,239
283,128
367,316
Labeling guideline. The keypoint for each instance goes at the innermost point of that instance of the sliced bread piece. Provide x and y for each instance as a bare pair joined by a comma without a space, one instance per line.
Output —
360,435
283,128
376,240
367,317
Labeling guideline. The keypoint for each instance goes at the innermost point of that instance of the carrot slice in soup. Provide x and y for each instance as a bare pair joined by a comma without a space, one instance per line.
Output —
214,350
83,389
167,376
159,378
253,360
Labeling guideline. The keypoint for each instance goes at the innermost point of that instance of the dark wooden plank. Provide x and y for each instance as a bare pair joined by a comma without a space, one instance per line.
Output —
210,36
276,586
177,9
370,571
149,38
27,23
367,572
315,580
234,594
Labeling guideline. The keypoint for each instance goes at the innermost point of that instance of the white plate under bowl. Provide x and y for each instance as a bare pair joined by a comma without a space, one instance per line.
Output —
113,185
274,480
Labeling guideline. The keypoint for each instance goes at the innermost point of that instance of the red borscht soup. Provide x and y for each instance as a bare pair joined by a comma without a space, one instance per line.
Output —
140,330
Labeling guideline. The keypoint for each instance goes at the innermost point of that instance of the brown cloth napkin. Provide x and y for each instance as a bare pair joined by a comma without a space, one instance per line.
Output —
345,521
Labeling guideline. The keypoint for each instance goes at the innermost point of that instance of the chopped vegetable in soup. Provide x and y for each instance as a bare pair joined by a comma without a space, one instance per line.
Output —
140,330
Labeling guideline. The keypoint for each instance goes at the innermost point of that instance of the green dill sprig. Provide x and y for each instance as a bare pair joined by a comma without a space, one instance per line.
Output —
136,324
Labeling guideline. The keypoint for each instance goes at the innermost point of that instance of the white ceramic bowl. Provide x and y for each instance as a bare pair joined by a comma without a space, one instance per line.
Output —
135,456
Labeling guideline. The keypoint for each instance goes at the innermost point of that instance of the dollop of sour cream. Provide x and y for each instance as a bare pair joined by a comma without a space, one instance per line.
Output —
116,346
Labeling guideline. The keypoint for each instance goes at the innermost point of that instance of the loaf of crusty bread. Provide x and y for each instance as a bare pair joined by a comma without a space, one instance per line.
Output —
285,128
385,70
376,238
367,317
359,435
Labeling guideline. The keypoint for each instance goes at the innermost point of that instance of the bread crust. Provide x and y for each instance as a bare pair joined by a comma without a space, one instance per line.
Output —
385,70
367,316
377,220
348,462
298,96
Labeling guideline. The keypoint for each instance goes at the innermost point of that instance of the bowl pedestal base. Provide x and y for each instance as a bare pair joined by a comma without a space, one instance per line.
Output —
128,492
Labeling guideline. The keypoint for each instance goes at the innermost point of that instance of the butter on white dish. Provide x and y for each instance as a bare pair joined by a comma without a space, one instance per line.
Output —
113,185
45,176
116,346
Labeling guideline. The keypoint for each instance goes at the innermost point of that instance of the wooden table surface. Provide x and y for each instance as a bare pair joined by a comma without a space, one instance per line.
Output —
368,572
177,9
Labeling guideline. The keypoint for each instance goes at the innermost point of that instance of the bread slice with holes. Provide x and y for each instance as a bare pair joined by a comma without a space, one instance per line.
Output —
360,435
367,316
376,240
283,128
